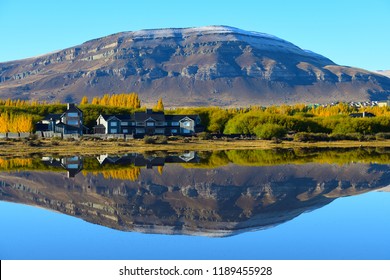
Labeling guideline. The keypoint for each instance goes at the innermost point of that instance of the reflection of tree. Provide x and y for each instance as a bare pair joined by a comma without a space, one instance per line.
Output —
292,156
15,163
130,173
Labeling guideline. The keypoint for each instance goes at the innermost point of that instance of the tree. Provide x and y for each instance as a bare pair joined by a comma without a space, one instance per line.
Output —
269,130
84,100
159,106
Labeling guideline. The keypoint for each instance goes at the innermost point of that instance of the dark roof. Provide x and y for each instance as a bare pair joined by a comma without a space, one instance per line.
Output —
177,118
52,117
71,107
67,126
120,117
143,116
41,127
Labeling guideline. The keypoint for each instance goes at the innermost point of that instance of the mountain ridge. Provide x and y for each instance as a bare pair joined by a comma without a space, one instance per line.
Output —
203,66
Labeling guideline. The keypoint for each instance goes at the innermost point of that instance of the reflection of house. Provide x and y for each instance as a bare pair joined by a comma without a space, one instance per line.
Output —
69,122
148,161
148,123
362,115
72,164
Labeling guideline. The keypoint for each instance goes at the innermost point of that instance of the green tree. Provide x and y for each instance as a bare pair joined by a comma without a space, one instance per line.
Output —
269,130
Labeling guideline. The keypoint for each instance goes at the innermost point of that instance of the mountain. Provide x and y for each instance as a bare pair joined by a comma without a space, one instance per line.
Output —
384,72
212,65
213,202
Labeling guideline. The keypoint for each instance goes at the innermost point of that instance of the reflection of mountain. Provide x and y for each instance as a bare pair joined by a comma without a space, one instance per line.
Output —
214,202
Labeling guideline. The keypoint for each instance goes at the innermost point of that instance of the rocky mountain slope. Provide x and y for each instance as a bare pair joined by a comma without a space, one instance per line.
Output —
213,65
213,202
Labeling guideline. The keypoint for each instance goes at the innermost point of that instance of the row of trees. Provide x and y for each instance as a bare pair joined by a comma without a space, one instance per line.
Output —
127,100
16,123
265,122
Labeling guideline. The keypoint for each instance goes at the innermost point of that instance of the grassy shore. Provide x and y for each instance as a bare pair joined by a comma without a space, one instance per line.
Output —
89,147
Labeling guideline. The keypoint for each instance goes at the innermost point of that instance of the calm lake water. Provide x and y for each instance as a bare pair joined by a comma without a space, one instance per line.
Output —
255,204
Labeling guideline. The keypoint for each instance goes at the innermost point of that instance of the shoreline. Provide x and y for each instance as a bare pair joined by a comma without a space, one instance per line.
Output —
64,148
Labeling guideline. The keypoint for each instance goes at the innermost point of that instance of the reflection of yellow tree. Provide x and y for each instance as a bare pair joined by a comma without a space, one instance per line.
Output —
160,169
14,163
131,174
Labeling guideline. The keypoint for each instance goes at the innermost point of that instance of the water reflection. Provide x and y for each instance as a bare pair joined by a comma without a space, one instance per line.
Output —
211,193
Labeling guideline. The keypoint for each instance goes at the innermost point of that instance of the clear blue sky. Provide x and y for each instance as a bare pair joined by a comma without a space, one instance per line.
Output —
354,33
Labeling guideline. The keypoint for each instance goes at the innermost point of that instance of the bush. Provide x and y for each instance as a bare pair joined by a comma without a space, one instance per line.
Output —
161,139
204,136
382,136
55,143
149,140
269,130
310,137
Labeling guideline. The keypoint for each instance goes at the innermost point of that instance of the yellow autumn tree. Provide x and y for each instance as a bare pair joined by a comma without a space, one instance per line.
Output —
84,100
127,100
4,123
159,106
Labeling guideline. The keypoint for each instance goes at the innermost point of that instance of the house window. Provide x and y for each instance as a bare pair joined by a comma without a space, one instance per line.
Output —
187,123
73,115
113,123
124,123
72,166
175,123
185,130
113,130
149,123
73,122
160,124
160,130
140,131
174,131
140,123
125,131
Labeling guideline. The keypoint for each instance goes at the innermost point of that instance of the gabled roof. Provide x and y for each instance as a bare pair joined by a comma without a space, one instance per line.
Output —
53,117
176,118
119,117
143,116
73,108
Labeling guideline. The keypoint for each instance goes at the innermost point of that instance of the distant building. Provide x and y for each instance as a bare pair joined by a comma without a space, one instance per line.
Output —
385,103
69,122
140,124
362,115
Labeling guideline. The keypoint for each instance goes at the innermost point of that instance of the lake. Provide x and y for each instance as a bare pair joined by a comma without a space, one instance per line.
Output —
237,204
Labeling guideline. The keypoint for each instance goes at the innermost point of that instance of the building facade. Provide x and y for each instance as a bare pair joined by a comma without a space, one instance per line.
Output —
140,124
69,122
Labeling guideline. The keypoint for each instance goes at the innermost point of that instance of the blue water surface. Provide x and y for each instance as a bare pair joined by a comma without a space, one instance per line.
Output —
355,227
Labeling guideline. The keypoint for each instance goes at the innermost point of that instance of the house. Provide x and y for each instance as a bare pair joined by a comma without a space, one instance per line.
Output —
362,115
149,122
69,122
384,103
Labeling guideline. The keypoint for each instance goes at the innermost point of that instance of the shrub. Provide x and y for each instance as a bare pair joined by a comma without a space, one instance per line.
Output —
161,139
269,130
204,136
310,137
149,140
